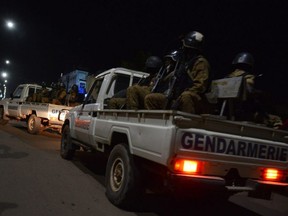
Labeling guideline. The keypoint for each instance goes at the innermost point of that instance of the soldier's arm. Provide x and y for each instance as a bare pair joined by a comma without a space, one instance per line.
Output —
199,75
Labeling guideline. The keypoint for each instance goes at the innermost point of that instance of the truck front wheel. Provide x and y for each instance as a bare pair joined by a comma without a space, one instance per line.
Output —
33,124
66,150
122,180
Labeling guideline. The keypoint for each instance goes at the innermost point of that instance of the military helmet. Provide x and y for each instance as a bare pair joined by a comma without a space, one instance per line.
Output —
243,58
193,40
74,87
53,85
174,55
43,84
60,84
153,62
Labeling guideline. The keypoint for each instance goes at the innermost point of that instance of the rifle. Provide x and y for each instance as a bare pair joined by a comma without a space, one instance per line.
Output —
158,79
179,72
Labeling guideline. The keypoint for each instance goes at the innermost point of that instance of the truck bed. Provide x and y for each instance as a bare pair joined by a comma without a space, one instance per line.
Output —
206,122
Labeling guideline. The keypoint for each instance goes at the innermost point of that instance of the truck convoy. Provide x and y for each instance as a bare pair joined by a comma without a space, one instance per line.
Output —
181,150
39,116
44,114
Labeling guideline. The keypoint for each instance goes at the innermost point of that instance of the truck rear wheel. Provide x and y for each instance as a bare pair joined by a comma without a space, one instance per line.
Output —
33,124
66,150
122,180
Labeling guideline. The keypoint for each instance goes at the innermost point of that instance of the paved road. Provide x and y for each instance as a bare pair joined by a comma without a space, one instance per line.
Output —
36,181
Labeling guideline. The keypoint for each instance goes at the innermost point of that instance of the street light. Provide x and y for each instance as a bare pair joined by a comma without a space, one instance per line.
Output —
4,74
10,24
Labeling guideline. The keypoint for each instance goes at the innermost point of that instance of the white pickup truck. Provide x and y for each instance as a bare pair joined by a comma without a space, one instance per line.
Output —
179,151
38,116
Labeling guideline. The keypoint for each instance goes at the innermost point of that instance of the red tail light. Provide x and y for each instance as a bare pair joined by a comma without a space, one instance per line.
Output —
187,166
272,174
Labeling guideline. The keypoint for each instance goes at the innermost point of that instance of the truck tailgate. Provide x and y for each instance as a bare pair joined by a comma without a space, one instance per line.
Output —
223,151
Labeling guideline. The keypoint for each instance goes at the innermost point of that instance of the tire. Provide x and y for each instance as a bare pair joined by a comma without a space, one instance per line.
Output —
122,181
67,150
33,124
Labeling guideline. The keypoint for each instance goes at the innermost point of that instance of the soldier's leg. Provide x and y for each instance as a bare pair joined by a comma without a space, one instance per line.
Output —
116,103
56,101
155,101
34,97
188,102
45,100
135,96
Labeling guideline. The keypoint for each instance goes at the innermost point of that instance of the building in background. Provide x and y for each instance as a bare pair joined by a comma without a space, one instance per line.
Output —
77,77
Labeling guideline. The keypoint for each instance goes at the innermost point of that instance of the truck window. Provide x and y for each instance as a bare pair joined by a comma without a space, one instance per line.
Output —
119,82
17,93
136,80
38,90
30,91
122,82
94,91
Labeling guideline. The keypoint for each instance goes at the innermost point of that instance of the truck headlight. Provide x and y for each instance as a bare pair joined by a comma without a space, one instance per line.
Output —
62,114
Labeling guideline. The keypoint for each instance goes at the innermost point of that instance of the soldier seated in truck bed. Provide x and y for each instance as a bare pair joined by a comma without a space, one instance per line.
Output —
59,94
72,98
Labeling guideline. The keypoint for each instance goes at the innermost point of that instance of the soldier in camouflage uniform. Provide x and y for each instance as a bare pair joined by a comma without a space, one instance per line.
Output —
190,89
243,64
137,93
132,96
161,84
242,108
248,107
44,94
72,99
60,94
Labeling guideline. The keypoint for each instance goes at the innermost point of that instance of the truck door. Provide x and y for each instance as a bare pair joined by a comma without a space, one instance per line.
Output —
83,120
19,96
118,82
13,104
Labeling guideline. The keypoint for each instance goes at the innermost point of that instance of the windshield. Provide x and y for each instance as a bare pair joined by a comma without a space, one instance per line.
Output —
94,91
17,92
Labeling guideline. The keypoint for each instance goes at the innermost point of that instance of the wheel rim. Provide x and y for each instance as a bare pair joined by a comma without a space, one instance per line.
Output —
117,174
31,124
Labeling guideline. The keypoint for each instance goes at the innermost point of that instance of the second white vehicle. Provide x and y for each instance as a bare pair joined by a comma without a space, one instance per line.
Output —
38,115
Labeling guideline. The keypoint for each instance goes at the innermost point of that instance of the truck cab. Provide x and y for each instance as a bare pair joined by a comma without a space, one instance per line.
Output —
104,87
22,92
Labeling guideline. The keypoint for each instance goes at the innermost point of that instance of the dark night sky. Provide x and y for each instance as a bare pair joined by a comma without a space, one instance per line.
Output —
54,37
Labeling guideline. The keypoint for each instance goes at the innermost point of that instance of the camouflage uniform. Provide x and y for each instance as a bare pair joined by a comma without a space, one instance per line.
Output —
44,95
241,108
244,106
136,95
60,98
116,103
269,120
73,96
133,96
190,99
249,80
